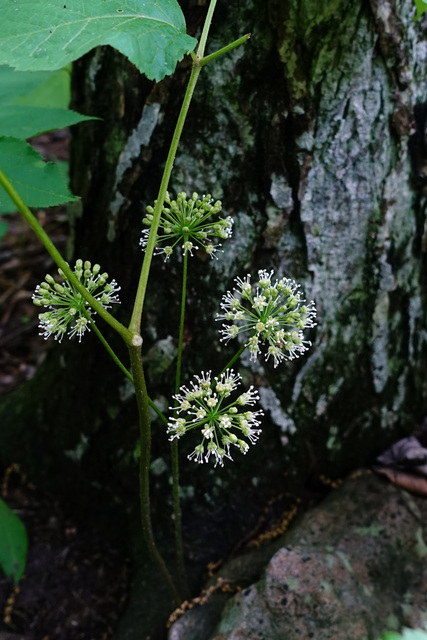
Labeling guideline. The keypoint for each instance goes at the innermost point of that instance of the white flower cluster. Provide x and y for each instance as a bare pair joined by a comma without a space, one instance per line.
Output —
188,222
273,313
67,307
222,424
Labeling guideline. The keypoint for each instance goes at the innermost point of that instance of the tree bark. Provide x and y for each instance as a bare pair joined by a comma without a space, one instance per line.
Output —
313,136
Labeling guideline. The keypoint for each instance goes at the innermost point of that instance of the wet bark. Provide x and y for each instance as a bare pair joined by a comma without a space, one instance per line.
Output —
313,136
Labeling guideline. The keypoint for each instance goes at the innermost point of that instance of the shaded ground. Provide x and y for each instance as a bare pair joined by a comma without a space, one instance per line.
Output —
76,581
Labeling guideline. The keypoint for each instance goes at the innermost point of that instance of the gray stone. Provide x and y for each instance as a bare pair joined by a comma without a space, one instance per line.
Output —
350,569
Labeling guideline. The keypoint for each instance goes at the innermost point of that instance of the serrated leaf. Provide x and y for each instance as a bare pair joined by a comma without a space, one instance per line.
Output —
421,8
13,543
48,34
22,121
39,183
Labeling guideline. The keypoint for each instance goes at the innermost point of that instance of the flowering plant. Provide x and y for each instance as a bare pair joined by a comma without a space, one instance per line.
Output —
272,313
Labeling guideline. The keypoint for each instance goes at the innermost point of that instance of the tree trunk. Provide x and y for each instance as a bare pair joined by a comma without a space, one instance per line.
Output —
312,135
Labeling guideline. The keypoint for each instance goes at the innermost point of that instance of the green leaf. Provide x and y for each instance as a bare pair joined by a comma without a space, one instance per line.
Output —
4,226
13,85
36,88
13,543
407,634
48,34
22,121
34,102
39,183
421,8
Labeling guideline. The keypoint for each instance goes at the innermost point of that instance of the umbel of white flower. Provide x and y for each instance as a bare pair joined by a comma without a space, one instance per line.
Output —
272,314
68,311
221,424
189,223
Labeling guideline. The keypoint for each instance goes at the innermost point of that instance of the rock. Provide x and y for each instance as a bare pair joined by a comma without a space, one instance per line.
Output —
350,569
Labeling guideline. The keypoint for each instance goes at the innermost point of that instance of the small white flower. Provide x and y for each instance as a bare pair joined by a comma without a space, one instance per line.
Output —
207,432
197,454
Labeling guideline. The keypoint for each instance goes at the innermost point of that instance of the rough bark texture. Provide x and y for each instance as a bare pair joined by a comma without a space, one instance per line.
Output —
312,134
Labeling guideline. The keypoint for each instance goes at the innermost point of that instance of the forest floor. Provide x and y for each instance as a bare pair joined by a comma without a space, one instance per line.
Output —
76,581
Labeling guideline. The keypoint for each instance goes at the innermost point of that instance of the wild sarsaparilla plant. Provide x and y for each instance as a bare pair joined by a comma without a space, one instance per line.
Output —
267,317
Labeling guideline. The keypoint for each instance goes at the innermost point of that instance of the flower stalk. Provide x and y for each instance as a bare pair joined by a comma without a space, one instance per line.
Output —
179,546
144,469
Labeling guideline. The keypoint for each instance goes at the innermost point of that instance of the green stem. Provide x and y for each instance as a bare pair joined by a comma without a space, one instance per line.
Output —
223,50
111,352
123,369
174,444
181,322
144,468
54,253
135,322
202,44
234,358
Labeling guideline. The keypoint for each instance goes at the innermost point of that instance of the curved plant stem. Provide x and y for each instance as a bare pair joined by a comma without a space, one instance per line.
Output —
123,369
144,469
174,444
54,253
110,351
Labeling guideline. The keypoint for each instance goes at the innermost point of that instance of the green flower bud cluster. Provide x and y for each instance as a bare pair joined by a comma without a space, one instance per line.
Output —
221,424
189,222
68,310
274,314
